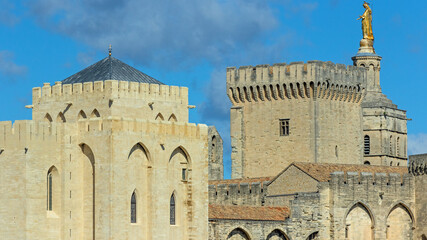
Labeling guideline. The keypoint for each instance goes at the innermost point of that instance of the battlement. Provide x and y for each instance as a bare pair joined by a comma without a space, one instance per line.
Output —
418,164
237,193
314,79
382,181
110,88
24,131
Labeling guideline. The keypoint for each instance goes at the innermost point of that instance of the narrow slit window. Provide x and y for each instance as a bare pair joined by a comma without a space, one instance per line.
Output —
284,127
172,210
49,192
133,208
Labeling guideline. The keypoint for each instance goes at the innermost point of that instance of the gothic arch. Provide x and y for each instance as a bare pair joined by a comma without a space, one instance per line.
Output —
277,235
403,205
95,114
172,118
359,222
60,117
399,222
160,117
313,236
138,174
143,148
183,151
48,118
239,234
89,176
81,115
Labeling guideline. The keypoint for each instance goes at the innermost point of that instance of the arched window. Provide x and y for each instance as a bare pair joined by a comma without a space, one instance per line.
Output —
49,191
391,145
172,217
53,186
133,208
367,145
313,236
367,163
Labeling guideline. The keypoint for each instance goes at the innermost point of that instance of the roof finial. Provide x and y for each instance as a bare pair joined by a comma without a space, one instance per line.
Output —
109,50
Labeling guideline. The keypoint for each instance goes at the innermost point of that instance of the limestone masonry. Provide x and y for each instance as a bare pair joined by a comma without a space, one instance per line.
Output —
318,152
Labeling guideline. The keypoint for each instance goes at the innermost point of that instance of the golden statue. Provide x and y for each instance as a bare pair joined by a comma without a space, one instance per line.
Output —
367,22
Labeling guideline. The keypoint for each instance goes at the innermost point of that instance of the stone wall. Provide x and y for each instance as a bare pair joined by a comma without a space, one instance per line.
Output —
418,168
238,194
215,153
366,206
304,221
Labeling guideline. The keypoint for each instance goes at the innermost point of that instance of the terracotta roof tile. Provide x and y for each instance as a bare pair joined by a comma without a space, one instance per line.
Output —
240,180
322,171
257,213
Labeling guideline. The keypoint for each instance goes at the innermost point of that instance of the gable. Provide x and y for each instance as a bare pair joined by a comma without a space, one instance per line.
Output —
291,181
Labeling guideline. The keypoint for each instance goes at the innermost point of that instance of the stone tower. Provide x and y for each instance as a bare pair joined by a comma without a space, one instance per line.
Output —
306,112
384,125
108,154
215,151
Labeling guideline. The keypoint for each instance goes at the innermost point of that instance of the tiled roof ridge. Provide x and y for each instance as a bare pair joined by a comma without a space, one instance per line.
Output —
240,180
256,213
321,171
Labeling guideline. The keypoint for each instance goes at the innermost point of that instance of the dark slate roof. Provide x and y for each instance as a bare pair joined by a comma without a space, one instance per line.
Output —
110,68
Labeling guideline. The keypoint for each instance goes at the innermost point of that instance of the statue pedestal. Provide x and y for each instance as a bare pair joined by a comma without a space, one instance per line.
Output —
366,46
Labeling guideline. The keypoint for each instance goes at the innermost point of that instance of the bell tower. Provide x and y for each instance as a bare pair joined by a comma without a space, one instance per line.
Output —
384,125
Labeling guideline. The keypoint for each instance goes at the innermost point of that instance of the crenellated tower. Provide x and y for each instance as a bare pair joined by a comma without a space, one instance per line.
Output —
307,112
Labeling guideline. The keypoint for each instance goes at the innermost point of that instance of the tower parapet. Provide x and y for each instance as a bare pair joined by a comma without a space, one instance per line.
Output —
109,88
111,98
314,79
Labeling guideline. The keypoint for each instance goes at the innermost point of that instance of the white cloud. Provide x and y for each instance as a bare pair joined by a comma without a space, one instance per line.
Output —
9,68
417,143
160,31
168,33
7,15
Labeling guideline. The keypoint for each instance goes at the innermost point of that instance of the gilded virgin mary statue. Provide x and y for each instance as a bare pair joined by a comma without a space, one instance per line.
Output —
367,22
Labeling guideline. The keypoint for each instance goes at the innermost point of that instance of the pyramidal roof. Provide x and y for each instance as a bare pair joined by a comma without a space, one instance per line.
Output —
110,68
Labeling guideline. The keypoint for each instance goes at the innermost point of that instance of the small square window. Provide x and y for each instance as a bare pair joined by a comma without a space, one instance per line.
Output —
284,127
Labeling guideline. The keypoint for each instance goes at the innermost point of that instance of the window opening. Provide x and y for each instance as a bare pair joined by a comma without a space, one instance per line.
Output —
367,145
172,210
184,174
49,187
133,208
284,127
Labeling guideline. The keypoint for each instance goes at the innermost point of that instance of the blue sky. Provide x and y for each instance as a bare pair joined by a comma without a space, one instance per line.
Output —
190,43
